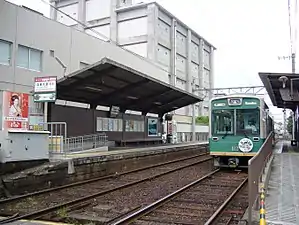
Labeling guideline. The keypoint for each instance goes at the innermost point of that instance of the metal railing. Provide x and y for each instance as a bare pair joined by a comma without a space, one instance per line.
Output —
56,128
256,168
61,145
86,142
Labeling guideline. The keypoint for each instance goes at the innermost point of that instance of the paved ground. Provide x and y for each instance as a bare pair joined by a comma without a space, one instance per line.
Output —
282,201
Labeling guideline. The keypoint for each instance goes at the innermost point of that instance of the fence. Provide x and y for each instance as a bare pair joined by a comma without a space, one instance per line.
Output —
256,167
57,128
187,136
85,142
59,142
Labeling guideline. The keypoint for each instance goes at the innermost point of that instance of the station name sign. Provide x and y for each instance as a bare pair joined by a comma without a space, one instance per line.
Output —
45,89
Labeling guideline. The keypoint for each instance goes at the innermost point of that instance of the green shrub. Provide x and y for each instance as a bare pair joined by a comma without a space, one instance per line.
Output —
202,120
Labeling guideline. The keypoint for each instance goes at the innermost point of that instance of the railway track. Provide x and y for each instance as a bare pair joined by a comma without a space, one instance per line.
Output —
203,201
72,196
232,213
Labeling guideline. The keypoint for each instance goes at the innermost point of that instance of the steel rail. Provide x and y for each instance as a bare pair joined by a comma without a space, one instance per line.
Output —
41,212
7,200
225,203
147,209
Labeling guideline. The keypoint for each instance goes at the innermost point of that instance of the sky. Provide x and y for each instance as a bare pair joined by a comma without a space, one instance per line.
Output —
249,36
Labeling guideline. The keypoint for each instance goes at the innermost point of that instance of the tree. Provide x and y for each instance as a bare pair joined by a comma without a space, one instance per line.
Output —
290,124
203,120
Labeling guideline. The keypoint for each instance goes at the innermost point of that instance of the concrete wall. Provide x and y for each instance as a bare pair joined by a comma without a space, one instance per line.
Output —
184,124
152,32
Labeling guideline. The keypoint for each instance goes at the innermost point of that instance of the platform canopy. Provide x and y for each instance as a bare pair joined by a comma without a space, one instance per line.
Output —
109,83
280,95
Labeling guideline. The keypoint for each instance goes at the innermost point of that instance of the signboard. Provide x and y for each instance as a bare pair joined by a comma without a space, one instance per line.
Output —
152,127
15,111
114,111
234,101
44,97
45,89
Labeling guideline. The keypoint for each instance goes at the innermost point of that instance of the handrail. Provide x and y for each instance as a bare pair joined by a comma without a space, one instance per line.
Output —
256,167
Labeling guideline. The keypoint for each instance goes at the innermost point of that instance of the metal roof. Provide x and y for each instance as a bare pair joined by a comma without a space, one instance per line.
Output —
109,83
280,96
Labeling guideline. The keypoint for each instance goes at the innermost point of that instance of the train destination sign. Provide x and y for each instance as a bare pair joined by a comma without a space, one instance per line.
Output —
234,101
250,103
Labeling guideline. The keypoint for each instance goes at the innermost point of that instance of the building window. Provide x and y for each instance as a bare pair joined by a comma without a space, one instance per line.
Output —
29,58
5,52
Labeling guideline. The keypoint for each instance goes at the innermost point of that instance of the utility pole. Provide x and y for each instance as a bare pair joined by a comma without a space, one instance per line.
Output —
293,61
293,113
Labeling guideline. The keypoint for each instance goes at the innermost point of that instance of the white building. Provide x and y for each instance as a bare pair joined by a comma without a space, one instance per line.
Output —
152,32
28,42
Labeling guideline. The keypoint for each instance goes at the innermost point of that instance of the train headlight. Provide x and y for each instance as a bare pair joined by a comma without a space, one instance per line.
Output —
245,145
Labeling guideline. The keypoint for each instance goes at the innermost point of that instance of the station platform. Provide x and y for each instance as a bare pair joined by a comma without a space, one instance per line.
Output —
282,200
140,150
282,194
74,168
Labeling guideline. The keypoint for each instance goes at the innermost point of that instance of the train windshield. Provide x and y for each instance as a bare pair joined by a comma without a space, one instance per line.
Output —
223,122
248,122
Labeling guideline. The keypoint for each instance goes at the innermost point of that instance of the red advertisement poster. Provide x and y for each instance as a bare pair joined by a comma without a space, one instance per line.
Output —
15,110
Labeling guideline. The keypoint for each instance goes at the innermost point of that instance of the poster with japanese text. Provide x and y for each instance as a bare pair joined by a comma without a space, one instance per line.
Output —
15,110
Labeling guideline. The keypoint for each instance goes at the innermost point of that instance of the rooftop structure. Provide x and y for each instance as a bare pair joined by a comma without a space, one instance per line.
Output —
150,31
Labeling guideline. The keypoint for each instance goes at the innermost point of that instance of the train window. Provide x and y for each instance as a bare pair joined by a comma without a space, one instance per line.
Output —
223,122
248,122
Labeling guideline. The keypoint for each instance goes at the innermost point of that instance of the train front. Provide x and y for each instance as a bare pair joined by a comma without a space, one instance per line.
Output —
236,130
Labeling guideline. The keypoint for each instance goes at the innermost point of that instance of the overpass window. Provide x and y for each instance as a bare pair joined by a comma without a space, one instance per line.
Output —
29,58
5,52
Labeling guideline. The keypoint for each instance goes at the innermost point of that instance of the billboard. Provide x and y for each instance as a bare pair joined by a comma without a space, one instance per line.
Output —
15,111
45,89
152,127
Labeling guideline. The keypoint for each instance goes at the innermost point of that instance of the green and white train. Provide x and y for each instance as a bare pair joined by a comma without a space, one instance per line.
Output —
239,125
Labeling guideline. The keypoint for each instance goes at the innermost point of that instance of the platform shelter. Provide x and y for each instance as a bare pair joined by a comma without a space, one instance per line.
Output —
282,200
113,84
283,90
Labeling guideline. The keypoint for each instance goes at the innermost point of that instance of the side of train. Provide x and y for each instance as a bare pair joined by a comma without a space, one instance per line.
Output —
239,125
